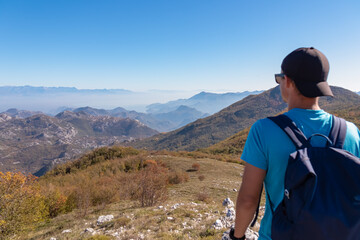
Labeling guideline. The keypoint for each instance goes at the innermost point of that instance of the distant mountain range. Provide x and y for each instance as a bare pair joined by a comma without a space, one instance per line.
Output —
52,100
31,91
238,116
205,102
15,113
33,144
161,117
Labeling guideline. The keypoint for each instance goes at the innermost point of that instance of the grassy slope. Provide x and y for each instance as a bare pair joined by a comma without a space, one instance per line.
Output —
220,180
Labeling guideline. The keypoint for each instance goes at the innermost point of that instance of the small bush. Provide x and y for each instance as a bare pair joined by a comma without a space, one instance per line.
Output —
207,233
122,222
71,202
201,177
83,195
55,202
103,191
196,166
177,177
148,186
204,197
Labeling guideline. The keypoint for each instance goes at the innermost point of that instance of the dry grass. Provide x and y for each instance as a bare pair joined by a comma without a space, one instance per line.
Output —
192,219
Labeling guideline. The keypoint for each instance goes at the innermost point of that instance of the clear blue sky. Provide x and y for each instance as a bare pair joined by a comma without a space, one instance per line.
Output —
219,45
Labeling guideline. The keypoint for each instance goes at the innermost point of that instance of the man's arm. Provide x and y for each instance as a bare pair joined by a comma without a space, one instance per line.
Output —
248,198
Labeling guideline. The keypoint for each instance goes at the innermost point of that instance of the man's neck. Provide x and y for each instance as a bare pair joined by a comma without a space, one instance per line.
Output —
304,103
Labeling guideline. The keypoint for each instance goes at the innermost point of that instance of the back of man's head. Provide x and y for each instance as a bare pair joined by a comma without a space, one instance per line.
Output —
309,69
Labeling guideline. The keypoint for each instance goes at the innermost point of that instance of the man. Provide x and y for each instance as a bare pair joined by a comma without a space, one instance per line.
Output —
302,81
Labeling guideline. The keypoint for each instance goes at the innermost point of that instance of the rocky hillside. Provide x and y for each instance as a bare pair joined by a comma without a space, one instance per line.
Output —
35,143
238,116
162,122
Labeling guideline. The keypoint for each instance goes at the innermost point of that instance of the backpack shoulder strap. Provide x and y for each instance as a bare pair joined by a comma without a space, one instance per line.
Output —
338,132
290,128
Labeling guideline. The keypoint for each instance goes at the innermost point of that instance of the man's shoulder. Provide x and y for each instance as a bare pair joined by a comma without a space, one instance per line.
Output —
264,122
352,130
264,125
351,125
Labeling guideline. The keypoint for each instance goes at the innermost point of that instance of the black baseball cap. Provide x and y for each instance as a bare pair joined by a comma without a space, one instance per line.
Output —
309,69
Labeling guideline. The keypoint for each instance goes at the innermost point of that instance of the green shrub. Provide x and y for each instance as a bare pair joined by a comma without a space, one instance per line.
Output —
207,233
97,156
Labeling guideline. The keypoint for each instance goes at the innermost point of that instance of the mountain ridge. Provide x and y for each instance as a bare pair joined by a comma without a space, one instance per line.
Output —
238,116
204,101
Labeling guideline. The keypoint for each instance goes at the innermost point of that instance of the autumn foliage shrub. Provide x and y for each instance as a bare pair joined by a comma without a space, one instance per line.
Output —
21,203
203,196
150,185
177,177
106,176
196,166
201,177
104,191
83,196
55,201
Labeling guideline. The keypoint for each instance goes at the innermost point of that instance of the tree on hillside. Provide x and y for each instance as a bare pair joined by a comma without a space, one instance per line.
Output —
21,204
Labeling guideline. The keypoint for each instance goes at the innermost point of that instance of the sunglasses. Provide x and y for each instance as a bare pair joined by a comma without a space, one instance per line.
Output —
278,77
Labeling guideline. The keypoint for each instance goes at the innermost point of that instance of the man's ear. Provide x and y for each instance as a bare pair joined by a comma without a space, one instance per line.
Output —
289,82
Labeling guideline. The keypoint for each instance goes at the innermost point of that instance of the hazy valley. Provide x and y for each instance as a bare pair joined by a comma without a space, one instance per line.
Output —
34,142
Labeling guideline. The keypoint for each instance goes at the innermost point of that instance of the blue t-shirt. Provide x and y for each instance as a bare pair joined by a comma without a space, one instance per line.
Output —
268,147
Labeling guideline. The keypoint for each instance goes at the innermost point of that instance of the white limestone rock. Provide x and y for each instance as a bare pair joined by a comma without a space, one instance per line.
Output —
228,203
218,224
175,206
89,230
104,218
231,214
